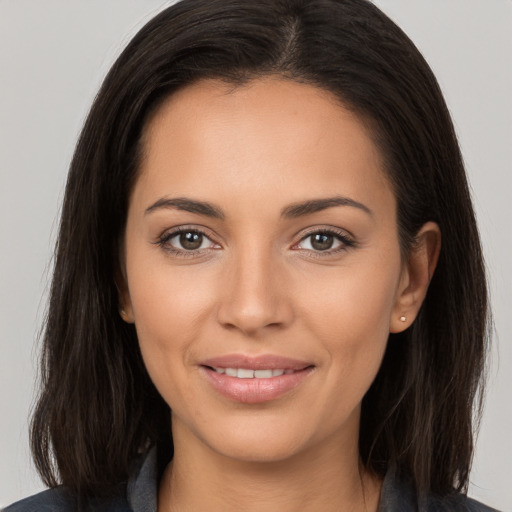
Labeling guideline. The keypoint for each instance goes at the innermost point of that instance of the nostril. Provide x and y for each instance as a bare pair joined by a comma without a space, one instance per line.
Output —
254,304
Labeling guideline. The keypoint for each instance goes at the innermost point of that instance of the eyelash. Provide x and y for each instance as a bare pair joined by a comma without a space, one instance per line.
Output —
346,242
165,238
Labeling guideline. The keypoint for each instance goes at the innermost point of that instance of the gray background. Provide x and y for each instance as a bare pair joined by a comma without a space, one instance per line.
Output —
53,55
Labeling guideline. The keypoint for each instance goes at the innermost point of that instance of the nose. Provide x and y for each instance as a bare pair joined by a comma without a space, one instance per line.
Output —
255,297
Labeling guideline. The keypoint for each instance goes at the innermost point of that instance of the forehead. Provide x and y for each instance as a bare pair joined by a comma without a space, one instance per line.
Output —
268,104
297,139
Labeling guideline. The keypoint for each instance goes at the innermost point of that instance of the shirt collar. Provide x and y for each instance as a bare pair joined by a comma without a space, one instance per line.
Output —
142,490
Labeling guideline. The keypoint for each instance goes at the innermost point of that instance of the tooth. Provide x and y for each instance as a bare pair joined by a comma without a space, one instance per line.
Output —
263,374
245,373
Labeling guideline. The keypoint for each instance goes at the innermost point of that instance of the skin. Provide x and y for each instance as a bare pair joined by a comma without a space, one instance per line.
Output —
259,286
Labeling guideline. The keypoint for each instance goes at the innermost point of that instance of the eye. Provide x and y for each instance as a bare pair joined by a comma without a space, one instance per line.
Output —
189,240
186,241
325,241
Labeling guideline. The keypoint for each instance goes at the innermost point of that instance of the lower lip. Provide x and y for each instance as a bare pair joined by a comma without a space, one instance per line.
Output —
254,391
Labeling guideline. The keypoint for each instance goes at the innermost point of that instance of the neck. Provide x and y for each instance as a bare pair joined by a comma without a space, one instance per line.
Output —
328,478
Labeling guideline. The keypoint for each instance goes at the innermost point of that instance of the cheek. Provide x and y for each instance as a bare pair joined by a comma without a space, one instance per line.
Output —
350,315
167,299
170,306
352,300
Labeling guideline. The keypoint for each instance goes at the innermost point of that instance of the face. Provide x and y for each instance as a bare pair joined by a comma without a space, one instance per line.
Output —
262,266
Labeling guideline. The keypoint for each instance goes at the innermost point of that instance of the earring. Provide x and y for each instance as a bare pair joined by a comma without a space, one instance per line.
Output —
122,312
403,319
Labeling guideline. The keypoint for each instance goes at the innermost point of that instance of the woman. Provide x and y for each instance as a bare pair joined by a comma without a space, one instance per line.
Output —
267,230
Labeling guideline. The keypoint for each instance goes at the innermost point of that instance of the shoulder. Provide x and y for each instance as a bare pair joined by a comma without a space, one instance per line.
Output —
139,493
50,500
59,500
398,495
455,503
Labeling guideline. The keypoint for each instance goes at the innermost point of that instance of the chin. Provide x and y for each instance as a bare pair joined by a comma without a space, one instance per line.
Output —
259,451
256,439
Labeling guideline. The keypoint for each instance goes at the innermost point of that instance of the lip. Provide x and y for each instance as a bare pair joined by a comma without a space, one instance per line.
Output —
254,391
266,361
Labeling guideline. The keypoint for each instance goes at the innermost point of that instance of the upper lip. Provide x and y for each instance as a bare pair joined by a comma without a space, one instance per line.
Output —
263,362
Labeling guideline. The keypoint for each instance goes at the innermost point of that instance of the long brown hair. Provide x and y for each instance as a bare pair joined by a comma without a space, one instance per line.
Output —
98,409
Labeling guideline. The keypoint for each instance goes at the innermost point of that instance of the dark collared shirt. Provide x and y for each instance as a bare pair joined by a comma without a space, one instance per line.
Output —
141,491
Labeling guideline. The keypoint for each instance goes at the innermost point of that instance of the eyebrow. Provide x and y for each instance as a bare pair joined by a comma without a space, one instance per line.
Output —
316,205
290,212
188,205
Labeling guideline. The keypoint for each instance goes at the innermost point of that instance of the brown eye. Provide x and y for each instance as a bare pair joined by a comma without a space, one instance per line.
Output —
322,241
188,240
328,242
191,240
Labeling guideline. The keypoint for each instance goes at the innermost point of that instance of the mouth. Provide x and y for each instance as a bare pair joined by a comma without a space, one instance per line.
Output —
247,373
255,380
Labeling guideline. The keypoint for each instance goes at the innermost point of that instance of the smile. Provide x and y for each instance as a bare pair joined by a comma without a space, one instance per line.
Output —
244,373
252,380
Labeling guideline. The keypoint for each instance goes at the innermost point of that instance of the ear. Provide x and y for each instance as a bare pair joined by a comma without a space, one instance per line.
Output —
123,294
416,274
